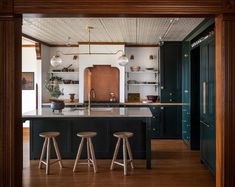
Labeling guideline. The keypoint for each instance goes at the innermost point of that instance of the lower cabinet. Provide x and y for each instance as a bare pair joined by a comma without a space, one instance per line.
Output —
208,146
166,122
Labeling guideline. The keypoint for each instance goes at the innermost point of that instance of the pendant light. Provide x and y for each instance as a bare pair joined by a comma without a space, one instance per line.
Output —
123,60
56,60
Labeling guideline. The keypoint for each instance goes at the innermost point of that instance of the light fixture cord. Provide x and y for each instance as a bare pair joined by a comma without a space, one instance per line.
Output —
89,43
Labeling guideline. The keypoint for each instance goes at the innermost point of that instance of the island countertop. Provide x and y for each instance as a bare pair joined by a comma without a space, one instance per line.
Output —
93,112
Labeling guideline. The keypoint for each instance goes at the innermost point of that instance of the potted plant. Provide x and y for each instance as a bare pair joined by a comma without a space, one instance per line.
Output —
55,91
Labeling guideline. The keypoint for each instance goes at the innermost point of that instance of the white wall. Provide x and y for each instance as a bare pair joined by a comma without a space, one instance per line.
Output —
141,58
89,60
31,64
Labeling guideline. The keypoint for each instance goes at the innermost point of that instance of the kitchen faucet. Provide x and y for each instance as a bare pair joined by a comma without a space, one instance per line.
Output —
91,96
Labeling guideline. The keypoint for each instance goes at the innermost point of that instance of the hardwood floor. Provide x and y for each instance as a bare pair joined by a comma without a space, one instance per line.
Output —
173,166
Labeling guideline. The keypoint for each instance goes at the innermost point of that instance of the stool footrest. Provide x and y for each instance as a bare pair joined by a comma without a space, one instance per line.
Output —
53,162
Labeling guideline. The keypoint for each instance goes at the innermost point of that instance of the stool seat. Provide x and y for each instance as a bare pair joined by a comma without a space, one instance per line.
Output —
123,134
49,134
86,134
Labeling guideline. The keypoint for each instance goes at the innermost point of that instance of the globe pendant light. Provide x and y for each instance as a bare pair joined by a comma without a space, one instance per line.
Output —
56,60
123,60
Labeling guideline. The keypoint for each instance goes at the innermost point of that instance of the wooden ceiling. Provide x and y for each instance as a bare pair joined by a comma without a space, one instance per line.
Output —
140,31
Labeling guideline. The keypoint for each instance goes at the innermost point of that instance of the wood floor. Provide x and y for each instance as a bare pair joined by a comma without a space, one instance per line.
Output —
173,166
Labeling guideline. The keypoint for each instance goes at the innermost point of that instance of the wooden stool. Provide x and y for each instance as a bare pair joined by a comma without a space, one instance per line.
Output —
90,150
47,143
124,136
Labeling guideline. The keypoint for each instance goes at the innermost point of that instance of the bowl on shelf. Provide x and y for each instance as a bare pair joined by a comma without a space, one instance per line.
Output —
135,68
75,81
149,69
152,98
67,81
56,70
132,82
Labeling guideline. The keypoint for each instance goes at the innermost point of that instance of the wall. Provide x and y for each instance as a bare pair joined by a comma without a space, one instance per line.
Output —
45,68
141,58
89,60
31,64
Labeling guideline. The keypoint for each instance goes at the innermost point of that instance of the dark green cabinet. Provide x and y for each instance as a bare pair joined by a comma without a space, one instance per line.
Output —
166,122
207,103
170,66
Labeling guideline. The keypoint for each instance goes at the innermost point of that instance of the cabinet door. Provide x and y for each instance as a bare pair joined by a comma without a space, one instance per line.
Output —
171,122
171,72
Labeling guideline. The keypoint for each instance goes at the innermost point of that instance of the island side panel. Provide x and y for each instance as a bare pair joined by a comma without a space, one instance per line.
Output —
104,142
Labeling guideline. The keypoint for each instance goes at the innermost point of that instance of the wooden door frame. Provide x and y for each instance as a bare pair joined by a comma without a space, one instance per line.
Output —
222,10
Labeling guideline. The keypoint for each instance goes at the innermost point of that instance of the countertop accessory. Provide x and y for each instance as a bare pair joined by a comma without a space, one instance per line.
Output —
90,150
112,97
57,104
48,136
126,149
152,98
72,97
133,97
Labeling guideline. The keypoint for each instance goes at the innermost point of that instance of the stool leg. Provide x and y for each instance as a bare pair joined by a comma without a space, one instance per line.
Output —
124,156
78,154
57,152
88,153
92,155
129,153
115,154
48,156
42,153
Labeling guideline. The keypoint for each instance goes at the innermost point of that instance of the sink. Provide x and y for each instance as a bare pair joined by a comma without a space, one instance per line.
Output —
101,109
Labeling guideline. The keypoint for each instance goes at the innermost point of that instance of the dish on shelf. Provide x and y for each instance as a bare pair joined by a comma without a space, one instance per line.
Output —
75,81
135,68
67,81
56,70
132,82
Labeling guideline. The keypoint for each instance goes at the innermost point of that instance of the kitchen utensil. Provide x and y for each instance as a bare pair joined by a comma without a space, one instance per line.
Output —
66,69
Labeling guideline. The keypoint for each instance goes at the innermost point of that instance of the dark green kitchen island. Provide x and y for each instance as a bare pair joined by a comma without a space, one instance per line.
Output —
104,121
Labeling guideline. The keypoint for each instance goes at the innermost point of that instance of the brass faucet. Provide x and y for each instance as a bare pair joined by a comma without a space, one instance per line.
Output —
91,96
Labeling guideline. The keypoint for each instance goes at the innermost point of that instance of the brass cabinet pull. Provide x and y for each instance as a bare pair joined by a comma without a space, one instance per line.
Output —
204,98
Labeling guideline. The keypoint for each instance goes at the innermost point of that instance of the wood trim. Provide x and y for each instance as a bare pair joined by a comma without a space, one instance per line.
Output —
225,108
28,45
10,103
119,7
133,45
34,39
38,51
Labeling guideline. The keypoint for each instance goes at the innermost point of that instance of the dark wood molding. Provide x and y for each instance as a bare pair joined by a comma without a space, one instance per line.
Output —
119,7
34,39
6,6
28,45
225,108
38,50
10,103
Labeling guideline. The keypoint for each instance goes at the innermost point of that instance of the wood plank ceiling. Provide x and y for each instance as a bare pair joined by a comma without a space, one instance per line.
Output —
140,31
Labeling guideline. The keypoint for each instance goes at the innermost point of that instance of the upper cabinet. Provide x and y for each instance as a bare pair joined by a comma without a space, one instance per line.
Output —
171,68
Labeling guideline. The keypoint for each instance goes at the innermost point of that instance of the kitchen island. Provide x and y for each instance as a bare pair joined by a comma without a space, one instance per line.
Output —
105,121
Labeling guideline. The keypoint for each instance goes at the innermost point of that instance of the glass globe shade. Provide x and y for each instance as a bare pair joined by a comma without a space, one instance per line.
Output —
56,61
123,60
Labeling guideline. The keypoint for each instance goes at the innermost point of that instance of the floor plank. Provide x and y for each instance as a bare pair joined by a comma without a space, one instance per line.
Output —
173,166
